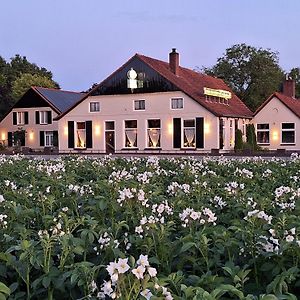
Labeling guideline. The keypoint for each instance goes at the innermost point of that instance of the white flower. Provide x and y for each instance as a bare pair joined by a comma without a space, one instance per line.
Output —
289,238
139,272
1,198
139,229
143,260
65,209
106,288
113,271
152,271
122,265
147,294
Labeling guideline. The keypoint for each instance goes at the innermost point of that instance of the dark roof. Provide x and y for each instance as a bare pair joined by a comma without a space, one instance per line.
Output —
61,100
192,84
292,103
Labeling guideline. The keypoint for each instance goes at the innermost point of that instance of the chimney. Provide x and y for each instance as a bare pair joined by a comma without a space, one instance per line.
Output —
174,61
289,87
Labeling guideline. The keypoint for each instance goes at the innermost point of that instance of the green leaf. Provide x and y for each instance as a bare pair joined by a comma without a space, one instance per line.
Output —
46,282
74,278
4,289
269,297
187,246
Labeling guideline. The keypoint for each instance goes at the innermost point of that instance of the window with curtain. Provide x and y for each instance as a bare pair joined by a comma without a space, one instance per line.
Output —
263,133
189,133
94,106
139,105
177,103
131,133
80,135
153,133
20,118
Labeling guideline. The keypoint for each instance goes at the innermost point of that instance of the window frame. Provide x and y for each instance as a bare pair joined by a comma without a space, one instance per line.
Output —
51,135
288,130
22,117
43,113
176,98
259,130
147,134
92,104
135,146
139,101
76,135
183,134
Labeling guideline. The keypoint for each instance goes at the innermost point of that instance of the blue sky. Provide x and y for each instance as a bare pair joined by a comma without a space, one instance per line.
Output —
84,41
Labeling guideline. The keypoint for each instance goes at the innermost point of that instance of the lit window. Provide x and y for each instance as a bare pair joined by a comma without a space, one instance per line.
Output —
80,136
43,117
48,138
139,104
189,133
131,133
153,133
94,106
20,118
288,133
177,103
263,133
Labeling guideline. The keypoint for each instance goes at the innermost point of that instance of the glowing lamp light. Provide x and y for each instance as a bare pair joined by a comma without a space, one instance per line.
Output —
170,128
31,136
206,128
66,130
97,129
275,135
3,136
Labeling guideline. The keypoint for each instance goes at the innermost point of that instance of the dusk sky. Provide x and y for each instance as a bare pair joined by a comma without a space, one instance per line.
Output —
84,41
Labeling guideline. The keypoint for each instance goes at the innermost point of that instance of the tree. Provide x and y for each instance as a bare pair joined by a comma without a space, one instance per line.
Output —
252,73
251,137
238,145
25,81
10,72
295,74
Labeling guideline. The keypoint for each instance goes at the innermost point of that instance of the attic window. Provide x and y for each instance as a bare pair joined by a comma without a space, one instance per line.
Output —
177,103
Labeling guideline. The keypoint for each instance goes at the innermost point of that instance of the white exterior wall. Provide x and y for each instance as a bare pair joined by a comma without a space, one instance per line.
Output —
275,113
119,108
32,137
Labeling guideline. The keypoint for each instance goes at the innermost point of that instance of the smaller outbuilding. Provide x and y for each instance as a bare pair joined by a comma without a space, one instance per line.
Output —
29,123
277,120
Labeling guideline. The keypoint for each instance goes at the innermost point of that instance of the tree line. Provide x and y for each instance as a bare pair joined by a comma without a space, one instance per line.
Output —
252,73
16,76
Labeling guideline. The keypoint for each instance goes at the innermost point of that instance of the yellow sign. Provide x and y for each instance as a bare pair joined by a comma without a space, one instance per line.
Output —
217,93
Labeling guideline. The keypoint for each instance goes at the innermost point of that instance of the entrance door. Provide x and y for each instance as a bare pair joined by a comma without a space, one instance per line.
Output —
110,137
110,142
